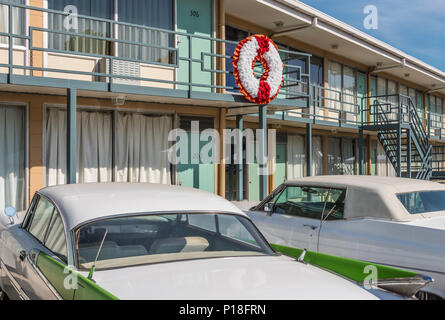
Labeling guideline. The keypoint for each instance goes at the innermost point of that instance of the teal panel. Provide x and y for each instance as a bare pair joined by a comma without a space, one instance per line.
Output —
280,169
361,92
254,182
195,17
199,176
373,92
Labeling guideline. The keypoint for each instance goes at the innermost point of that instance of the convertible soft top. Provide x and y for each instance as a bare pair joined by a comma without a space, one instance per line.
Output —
371,196
79,203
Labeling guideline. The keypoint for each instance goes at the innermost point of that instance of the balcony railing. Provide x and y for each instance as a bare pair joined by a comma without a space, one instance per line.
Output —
114,56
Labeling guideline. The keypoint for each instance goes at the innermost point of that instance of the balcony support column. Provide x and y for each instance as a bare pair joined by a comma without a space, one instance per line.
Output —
222,161
361,153
262,152
239,144
309,150
71,135
408,155
399,149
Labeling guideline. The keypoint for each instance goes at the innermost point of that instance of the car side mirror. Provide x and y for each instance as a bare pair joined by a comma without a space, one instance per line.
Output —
268,207
10,212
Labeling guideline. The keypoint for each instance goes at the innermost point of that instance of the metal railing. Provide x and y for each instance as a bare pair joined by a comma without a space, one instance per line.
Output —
194,63
192,58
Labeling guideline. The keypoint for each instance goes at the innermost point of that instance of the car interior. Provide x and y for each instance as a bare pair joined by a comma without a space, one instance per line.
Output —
153,235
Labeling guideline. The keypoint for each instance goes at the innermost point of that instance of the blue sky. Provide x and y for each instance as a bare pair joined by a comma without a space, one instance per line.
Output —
416,27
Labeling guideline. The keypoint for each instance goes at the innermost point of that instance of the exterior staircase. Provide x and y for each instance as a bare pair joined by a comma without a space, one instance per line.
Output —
401,134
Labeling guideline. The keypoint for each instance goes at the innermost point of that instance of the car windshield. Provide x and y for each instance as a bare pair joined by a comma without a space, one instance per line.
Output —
144,239
423,201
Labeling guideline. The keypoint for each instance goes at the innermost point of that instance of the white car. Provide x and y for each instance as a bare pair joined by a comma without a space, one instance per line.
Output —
143,241
392,221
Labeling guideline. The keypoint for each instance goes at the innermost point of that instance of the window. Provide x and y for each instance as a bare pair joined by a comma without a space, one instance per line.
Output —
230,227
150,13
12,157
335,84
94,8
311,202
342,156
18,22
130,241
138,147
232,34
56,241
41,219
423,201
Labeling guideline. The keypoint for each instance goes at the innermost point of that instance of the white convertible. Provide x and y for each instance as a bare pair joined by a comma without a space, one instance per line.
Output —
142,241
393,221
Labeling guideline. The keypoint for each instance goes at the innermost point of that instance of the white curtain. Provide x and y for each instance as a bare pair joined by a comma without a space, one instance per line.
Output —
152,13
335,80
142,148
317,156
18,23
384,166
94,147
12,157
349,89
296,159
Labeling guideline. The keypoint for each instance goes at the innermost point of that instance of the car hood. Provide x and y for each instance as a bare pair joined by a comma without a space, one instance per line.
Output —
430,221
240,278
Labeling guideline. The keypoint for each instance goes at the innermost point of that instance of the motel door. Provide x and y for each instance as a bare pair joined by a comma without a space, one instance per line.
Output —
195,17
198,176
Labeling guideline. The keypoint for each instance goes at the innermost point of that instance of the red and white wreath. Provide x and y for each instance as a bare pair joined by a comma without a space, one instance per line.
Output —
248,51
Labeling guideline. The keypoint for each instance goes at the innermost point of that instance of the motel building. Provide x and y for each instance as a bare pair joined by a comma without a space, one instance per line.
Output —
90,89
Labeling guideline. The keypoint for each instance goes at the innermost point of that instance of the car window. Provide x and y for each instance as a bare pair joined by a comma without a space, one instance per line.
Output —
41,219
423,201
56,241
30,211
137,240
311,202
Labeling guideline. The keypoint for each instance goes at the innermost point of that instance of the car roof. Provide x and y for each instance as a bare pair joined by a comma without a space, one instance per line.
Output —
372,196
392,184
79,203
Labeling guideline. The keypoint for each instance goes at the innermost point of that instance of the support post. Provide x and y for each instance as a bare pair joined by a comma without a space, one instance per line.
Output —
361,153
71,135
222,159
309,150
399,150
263,151
408,156
240,127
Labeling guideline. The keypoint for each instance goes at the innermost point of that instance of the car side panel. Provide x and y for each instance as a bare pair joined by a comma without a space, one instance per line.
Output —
390,243
287,230
21,273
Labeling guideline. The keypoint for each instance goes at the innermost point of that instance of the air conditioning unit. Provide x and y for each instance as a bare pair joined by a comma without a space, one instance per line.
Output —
120,68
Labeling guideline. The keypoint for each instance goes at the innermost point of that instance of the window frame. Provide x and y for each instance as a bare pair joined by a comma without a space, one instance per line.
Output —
30,217
322,218
112,48
76,229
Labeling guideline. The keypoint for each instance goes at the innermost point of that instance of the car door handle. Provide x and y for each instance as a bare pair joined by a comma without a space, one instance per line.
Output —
310,226
22,255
